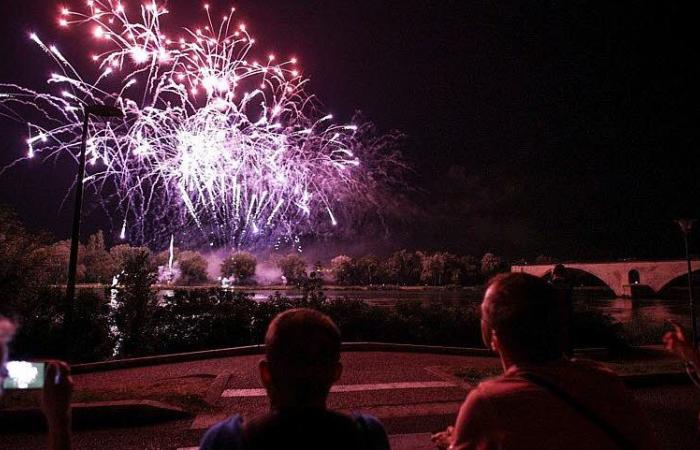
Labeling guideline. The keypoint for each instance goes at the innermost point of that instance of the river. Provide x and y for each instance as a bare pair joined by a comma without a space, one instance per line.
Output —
643,320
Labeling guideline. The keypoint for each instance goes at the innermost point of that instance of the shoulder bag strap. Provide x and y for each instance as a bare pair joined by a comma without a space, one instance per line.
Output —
582,409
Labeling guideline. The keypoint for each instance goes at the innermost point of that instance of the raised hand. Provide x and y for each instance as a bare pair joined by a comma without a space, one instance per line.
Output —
677,342
443,439
55,403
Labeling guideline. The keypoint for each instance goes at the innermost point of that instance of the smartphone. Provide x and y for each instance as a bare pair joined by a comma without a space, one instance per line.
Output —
24,375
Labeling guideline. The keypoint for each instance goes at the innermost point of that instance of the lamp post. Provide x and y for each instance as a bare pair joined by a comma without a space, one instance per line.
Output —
97,111
686,227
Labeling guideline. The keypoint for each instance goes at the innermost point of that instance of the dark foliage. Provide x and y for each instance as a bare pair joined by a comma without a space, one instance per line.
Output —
136,304
190,320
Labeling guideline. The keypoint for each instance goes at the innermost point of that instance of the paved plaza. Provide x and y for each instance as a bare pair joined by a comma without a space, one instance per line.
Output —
412,393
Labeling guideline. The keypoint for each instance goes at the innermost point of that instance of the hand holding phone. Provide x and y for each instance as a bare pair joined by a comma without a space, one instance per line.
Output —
24,375
55,404
58,390
678,343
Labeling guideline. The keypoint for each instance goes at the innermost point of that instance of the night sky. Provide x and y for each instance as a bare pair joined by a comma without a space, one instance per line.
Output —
564,128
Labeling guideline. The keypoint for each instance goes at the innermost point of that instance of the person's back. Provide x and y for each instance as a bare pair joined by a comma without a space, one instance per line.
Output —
512,412
302,363
310,429
543,400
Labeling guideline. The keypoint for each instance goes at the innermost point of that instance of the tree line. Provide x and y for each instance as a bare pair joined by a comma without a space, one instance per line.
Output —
98,264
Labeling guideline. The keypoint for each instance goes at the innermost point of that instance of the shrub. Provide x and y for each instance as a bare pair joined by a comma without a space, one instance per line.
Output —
200,319
357,320
196,320
42,332
89,335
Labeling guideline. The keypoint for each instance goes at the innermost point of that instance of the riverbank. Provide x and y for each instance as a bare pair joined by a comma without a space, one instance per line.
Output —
287,287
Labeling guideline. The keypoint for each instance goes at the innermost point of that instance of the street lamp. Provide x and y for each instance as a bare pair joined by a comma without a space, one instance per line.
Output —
97,111
686,226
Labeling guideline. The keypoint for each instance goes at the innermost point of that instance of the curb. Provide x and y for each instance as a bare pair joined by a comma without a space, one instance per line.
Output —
655,379
96,414
166,359
260,349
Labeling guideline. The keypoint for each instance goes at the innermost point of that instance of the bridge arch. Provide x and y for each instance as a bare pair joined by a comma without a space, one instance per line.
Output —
579,274
633,276
581,278
682,280
624,278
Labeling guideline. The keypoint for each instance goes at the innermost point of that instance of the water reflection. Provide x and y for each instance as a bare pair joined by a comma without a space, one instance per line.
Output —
655,310
650,310
644,318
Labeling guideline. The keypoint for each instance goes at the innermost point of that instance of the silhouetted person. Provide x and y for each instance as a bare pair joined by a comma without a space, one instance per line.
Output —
678,343
543,400
302,362
56,395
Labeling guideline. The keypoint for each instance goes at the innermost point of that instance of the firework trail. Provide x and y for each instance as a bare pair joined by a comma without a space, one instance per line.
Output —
216,146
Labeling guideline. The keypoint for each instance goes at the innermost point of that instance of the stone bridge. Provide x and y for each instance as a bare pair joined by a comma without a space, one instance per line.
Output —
624,278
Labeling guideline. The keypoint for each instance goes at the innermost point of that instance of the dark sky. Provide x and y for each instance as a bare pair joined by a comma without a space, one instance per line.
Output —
565,128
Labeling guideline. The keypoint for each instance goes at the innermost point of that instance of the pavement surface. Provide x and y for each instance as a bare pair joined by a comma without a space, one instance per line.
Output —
410,392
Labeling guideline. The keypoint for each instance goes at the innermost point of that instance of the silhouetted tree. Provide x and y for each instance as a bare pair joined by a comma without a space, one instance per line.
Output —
369,270
490,264
293,268
433,268
404,267
122,252
342,267
193,268
135,303
240,265
100,266
23,264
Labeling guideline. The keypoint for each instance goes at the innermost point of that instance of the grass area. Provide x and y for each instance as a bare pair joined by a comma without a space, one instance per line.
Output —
645,367
187,393
474,375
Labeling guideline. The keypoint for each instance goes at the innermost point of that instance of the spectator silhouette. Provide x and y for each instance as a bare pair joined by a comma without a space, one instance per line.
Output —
302,362
543,400
56,395
678,343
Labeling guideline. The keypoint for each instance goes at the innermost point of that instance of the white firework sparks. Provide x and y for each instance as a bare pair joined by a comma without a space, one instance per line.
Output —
215,144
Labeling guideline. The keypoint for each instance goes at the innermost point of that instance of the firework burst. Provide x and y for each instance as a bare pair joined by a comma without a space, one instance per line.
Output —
216,145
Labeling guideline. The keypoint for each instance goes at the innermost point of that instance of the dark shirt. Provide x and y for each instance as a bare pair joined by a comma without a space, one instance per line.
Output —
297,428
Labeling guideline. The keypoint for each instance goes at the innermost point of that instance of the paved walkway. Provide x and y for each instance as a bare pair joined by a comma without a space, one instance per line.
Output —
410,392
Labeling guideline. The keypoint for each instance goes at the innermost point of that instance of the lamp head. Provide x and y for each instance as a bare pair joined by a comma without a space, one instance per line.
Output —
685,224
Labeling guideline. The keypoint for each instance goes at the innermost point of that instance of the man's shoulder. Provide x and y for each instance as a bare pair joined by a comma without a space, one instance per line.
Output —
573,371
230,434
227,434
